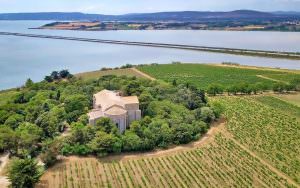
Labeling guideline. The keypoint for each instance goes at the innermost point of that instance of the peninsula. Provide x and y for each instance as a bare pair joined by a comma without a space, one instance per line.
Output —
235,51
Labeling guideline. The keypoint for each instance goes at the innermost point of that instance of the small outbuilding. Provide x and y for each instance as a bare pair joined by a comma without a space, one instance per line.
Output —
121,110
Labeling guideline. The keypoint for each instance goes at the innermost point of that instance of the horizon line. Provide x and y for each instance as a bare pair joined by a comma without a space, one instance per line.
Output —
149,12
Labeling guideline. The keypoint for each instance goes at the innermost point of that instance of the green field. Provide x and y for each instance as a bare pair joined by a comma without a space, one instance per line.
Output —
266,129
203,75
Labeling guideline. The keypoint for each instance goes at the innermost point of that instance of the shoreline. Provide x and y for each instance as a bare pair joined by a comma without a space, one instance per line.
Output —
80,74
168,29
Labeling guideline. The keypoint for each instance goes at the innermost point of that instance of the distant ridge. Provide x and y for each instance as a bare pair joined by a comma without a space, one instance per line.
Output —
292,13
159,16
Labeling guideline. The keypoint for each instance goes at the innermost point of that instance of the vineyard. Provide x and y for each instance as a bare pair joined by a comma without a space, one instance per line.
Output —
259,147
280,105
221,163
203,75
267,131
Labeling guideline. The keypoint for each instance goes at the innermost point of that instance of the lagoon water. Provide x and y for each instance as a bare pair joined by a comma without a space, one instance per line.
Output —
22,58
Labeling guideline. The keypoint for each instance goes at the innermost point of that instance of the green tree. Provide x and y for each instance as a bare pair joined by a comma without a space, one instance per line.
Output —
182,133
145,99
29,135
233,89
218,108
77,135
207,115
14,121
131,141
296,84
64,74
75,106
279,87
136,128
58,95
214,89
199,128
51,122
24,173
48,79
55,75
105,124
76,102
84,119
166,136
28,83
174,82
8,140
255,88
3,116
132,88
104,143
50,151
190,98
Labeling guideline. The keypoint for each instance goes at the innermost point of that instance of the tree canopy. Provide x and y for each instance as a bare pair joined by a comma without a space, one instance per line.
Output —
32,122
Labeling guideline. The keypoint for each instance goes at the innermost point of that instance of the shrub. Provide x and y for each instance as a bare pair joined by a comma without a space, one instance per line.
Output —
182,134
207,115
218,108
24,173
214,89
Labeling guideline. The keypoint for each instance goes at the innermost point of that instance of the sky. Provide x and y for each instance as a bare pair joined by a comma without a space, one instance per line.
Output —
139,6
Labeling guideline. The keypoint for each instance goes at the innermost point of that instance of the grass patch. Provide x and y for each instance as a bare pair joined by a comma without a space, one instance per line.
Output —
291,98
117,72
6,96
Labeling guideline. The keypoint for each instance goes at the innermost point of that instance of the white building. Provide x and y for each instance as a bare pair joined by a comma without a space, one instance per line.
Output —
121,110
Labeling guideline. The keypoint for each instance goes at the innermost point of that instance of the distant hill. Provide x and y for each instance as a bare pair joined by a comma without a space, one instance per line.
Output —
160,16
288,13
53,16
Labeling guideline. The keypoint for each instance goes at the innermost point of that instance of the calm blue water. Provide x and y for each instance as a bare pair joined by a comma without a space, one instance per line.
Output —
22,58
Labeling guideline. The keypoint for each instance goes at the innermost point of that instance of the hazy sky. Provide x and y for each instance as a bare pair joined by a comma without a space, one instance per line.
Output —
130,6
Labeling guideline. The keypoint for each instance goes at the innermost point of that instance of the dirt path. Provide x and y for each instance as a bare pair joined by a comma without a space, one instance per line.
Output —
143,74
270,166
4,182
267,78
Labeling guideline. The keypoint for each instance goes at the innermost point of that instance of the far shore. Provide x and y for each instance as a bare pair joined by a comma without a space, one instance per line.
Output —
154,25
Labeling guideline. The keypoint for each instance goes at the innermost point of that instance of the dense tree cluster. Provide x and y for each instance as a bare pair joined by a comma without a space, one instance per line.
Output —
57,75
248,89
171,115
32,122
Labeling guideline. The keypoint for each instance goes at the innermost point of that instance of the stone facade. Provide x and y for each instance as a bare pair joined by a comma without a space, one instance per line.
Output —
121,110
